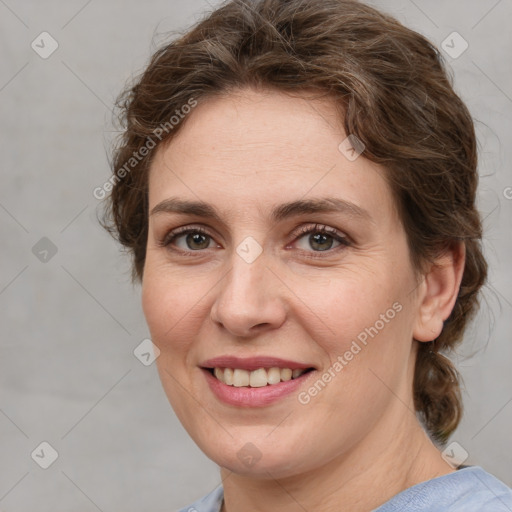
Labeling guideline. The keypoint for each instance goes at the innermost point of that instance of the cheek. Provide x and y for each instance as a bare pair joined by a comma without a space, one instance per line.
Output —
170,303
355,302
369,330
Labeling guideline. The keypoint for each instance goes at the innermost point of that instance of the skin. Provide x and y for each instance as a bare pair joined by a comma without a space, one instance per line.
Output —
357,443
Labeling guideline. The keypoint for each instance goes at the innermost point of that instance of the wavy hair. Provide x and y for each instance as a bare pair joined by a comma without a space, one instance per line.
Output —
394,94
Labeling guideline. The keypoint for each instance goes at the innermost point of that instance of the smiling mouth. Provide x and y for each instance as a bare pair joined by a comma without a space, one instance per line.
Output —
261,377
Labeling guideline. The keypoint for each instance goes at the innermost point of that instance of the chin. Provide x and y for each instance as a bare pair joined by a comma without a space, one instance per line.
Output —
256,457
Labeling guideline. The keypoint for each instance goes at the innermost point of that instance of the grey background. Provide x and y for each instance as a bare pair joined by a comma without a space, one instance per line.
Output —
68,374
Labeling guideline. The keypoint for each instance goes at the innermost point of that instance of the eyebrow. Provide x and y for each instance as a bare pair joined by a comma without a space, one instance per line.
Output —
278,213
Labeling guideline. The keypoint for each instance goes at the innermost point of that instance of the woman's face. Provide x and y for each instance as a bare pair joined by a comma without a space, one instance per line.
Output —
260,283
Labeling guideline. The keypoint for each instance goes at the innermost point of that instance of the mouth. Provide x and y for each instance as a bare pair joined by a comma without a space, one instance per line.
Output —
254,381
261,377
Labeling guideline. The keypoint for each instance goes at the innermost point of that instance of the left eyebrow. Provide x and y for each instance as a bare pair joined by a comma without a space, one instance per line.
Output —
319,205
278,213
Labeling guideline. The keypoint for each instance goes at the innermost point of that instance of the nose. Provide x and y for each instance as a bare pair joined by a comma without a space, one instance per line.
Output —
249,298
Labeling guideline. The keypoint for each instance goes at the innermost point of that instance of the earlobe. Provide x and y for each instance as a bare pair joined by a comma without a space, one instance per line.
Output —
439,292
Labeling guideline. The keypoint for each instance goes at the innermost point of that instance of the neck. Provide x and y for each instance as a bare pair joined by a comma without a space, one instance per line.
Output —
388,461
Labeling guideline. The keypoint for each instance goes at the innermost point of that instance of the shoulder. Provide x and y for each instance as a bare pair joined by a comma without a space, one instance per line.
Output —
210,503
470,489
481,491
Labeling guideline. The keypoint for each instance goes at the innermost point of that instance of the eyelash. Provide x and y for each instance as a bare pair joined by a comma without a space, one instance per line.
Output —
300,233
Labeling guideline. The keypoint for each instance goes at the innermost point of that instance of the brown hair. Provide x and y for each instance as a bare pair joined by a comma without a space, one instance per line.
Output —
397,98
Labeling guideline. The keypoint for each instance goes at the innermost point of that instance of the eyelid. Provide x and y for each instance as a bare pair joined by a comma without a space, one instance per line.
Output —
174,233
320,228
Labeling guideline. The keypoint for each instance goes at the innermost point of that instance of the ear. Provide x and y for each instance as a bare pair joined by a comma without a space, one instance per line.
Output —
438,292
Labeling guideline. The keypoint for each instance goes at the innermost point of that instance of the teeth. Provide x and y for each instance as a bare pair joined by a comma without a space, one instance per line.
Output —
228,375
273,375
240,378
257,378
286,374
219,374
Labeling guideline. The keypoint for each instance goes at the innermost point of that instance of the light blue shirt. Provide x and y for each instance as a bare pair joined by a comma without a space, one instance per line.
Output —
470,489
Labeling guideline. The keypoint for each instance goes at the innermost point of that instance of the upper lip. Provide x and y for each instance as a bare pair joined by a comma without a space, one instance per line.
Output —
253,363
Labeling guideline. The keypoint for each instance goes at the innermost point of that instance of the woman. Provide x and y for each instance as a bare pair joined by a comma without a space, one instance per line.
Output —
296,183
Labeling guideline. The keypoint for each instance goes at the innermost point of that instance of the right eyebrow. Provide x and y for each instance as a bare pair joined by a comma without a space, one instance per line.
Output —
175,205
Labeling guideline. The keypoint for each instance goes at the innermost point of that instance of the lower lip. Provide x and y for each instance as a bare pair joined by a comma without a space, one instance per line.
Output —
253,397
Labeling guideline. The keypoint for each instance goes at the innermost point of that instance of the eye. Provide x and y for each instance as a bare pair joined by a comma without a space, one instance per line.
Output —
195,239
321,238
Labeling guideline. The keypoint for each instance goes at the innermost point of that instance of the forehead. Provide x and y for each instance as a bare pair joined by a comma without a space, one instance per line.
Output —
260,149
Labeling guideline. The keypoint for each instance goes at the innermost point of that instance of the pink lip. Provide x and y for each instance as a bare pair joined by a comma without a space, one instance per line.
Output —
253,397
252,363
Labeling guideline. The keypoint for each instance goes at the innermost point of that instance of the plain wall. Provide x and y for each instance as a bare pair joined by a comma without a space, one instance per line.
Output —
70,325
